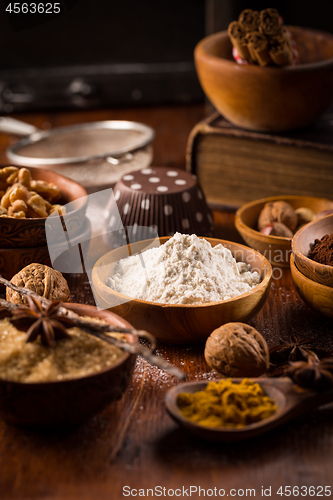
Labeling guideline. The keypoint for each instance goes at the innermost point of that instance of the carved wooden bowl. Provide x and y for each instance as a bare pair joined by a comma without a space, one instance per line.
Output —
28,233
317,296
69,402
268,98
180,324
301,242
276,249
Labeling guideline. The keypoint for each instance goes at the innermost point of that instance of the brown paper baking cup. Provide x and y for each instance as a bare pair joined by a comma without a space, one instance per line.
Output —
160,200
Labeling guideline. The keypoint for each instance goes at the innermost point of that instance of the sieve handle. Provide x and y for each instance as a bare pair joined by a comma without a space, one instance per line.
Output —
16,127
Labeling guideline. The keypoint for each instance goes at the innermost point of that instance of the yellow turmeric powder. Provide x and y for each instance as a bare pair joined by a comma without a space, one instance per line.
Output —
227,404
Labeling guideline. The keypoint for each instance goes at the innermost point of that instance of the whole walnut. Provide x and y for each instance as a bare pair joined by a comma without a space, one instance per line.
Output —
237,350
41,279
278,211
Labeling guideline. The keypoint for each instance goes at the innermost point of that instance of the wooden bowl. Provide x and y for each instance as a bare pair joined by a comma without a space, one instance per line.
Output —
301,242
180,324
268,98
26,233
275,248
317,296
69,402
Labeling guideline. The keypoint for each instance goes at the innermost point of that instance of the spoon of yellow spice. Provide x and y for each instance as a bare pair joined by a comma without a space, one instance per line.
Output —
235,409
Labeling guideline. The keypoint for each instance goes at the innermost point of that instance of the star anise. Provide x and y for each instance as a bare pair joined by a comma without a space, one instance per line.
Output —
35,320
294,350
313,373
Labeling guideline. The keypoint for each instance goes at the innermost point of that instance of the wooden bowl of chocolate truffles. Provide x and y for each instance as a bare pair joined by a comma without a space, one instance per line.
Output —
268,225
28,198
271,87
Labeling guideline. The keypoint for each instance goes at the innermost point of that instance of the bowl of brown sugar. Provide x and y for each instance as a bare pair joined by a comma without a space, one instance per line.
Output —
64,385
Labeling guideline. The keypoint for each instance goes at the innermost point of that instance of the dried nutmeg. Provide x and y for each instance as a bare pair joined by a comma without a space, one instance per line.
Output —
305,215
237,350
41,279
278,211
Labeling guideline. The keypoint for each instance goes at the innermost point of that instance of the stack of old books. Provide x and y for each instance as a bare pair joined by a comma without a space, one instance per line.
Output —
235,166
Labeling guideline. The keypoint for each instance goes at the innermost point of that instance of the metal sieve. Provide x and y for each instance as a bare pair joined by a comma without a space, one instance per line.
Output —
94,154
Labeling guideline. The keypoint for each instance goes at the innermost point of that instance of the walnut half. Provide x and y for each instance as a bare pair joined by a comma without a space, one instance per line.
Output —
237,350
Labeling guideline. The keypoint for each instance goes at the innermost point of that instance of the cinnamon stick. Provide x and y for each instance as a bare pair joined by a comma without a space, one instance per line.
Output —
270,22
237,37
249,20
258,48
281,51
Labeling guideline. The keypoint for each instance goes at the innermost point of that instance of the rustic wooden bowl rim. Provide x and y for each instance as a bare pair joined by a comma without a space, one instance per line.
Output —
251,204
297,252
87,308
314,284
251,68
263,284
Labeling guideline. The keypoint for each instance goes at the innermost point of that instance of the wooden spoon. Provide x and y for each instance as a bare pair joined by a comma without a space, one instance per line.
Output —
291,401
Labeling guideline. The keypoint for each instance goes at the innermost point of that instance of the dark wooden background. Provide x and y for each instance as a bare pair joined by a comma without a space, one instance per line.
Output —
135,443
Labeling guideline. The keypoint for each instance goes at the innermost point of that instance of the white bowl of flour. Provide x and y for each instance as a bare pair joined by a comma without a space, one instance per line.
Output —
181,288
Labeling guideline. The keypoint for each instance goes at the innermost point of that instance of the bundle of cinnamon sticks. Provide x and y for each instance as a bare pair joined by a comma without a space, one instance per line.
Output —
261,38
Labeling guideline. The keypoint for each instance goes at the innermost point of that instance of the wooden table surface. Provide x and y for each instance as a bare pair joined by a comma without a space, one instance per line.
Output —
135,444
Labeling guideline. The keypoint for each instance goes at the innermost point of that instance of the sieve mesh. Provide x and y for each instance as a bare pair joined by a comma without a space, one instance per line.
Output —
77,143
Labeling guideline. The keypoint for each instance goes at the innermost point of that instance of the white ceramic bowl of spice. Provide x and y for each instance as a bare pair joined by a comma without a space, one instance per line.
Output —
195,315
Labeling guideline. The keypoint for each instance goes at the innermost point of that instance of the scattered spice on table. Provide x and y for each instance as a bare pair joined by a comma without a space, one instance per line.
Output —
322,250
227,404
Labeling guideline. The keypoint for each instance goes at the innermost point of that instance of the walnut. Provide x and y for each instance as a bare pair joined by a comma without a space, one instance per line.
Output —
36,197
237,350
43,280
278,211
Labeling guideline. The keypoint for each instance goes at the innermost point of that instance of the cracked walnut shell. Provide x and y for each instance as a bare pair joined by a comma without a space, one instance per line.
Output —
237,350
44,280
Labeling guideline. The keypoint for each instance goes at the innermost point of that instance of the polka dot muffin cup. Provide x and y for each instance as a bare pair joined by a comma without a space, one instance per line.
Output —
160,200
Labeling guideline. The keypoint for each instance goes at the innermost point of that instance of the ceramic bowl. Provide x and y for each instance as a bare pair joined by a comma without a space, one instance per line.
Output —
268,98
317,296
301,243
25,233
180,324
276,249
68,402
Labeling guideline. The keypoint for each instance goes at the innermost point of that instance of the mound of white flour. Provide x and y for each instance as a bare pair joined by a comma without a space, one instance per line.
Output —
185,270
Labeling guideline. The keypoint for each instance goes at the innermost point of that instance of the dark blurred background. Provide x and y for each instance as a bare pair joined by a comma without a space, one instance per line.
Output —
106,52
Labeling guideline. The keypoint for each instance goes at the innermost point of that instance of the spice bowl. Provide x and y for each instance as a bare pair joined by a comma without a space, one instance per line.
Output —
291,402
276,249
301,245
48,405
317,296
268,98
181,323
